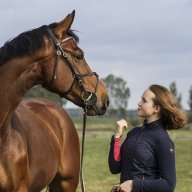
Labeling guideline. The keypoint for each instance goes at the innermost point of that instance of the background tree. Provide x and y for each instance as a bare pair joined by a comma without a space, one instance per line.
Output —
38,91
190,99
173,89
190,105
118,94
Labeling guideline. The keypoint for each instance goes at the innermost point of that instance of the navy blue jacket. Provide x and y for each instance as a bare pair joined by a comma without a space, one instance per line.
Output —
147,158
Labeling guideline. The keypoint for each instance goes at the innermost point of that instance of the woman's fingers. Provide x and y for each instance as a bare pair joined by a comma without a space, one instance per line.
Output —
120,125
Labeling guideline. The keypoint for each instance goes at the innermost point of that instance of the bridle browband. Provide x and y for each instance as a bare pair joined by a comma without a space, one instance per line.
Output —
89,98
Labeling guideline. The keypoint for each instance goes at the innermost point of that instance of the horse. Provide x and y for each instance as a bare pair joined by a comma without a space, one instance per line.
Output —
39,145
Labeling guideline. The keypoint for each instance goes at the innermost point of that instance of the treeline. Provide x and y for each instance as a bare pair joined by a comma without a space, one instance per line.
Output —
39,92
119,94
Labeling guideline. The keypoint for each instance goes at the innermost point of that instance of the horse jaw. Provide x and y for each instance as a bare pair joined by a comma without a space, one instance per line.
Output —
99,108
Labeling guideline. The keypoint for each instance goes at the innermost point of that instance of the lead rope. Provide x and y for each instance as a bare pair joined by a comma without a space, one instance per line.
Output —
82,149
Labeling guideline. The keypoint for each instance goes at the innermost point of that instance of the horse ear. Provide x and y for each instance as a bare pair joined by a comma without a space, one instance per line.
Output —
64,25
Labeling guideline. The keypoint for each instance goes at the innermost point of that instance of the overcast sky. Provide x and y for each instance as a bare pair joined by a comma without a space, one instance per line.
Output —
142,41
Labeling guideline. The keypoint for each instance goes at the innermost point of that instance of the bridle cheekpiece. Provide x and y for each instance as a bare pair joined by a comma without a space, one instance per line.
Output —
89,98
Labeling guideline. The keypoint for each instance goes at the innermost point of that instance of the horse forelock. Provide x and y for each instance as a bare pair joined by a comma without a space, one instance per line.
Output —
26,43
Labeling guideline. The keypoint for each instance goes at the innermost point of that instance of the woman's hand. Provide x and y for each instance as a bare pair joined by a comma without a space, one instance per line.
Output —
120,125
126,186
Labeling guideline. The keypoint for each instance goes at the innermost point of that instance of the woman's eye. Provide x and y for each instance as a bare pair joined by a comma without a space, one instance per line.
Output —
80,57
144,101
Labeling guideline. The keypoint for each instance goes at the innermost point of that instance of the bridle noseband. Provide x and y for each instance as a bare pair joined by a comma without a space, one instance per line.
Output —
89,98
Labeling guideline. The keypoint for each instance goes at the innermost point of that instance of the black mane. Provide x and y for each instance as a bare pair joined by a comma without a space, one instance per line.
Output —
26,43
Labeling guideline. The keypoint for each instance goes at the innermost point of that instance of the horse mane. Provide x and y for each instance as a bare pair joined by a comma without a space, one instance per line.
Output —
27,42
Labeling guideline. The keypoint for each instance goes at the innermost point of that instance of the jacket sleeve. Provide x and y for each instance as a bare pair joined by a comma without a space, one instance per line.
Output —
114,164
165,155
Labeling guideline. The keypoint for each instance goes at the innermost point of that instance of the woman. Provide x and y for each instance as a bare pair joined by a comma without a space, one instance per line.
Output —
146,159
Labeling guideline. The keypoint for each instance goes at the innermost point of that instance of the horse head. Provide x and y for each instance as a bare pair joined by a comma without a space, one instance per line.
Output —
66,72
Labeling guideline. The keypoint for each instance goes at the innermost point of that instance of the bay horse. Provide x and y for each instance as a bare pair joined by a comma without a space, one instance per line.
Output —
39,145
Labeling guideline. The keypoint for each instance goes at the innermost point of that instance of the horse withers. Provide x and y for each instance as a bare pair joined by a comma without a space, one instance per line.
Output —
39,145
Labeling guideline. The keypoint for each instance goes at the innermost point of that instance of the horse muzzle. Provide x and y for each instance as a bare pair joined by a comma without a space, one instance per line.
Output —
92,105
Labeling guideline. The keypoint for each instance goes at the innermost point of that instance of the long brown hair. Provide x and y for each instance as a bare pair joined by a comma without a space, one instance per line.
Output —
172,116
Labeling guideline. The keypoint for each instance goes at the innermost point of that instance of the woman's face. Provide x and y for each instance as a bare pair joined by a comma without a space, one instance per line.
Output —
147,108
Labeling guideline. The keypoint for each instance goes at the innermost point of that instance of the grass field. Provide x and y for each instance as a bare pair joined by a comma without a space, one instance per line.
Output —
96,172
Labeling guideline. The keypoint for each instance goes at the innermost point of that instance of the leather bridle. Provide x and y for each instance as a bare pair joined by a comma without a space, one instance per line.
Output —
89,98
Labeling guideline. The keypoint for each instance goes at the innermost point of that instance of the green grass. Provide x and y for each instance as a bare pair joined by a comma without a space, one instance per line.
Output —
183,144
96,173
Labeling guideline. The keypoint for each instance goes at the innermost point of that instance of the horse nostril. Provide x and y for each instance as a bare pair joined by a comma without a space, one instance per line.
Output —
107,102
104,106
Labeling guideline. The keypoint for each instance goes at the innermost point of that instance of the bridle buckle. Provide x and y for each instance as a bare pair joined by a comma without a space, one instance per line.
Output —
58,52
65,54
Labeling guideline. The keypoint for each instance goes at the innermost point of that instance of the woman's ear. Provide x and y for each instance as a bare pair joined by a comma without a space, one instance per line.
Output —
157,109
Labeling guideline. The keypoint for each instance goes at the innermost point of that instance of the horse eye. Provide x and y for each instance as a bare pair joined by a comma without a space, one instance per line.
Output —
80,57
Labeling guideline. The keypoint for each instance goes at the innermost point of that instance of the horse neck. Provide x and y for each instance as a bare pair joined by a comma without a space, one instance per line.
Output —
17,77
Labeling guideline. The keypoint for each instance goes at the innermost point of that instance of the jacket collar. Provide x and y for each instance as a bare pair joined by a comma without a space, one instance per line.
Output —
153,125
